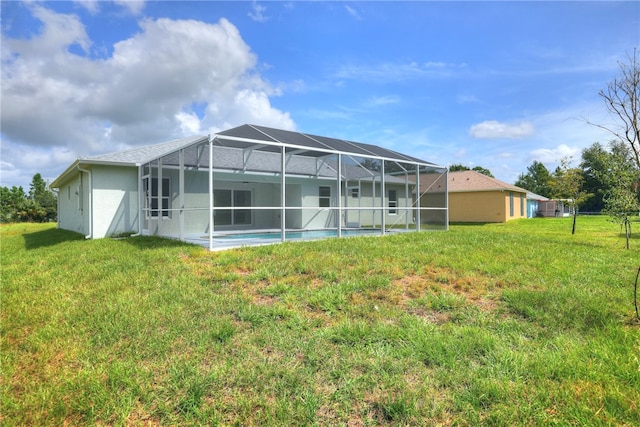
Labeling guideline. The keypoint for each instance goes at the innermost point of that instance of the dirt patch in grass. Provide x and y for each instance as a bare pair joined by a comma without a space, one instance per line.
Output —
476,290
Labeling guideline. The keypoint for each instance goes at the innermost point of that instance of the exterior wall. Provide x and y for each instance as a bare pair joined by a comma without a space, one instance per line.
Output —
115,200
73,204
532,208
317,218
433,199
265,191
369,198
554,208
484,206
109,194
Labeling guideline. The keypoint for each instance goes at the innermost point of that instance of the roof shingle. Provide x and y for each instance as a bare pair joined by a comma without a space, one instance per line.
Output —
463,181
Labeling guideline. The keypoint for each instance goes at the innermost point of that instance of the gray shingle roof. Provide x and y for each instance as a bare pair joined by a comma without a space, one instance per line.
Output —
265,143
147,153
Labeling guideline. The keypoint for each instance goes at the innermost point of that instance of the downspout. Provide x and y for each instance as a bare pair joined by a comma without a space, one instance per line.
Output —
90,193
140,202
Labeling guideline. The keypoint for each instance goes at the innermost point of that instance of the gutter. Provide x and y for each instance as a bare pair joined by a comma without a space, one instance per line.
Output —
88,172
140,201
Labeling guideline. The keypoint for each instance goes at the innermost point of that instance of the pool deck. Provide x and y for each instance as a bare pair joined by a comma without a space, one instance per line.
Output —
231,239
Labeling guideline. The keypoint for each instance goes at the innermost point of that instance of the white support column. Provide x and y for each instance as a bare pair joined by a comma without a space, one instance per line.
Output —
181,193
382,194
407,200
159,196
373,201
211,193
418,198
283,200
446,199
339,186
140,200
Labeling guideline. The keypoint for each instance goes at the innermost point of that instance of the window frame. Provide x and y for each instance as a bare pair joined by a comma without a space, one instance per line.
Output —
392,201
154,204
511,206
324,200
234,215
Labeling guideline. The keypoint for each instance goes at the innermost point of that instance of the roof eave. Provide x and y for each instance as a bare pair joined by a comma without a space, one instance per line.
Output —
87,162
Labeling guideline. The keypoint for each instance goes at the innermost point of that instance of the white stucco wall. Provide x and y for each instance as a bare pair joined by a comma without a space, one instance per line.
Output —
115,200
73,204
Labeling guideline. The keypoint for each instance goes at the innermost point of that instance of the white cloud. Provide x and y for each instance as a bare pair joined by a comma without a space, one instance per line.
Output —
554,155
354,13
93,6
379,101
134,6
468,99
189,123
392,71
493,129
55,101
257,12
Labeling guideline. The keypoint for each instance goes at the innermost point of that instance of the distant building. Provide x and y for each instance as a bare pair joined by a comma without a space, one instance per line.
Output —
474,197
555,208
534,201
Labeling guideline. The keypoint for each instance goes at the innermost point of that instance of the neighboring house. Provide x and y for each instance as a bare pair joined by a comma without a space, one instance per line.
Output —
246,178
534,203
555,208
474,197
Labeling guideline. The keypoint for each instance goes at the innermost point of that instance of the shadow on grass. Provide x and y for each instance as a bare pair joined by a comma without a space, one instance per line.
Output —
51,237
469,224
154,242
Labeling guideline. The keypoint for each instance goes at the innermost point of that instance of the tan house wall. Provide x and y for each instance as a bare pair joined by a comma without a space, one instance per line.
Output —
485,206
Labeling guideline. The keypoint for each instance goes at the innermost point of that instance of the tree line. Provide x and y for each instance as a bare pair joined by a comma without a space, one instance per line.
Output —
39,205
607,175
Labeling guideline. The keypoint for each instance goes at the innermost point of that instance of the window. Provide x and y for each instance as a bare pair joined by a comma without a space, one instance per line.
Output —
232,199
522,204
393,202
242,198
511,204
324,196
355,192
153,201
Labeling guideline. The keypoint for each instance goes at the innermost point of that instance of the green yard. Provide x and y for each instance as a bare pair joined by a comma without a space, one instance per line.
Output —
505,324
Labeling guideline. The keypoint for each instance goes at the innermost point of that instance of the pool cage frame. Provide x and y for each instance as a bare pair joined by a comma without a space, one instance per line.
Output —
254,178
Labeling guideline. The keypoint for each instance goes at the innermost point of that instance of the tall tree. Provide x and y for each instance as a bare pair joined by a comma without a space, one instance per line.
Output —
622,98
12,201
40,205
621,177
594,167
566,184
536,179
483,171
460,167
43,197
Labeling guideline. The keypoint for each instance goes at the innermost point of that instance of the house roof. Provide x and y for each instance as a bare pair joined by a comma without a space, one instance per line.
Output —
133,157
468,181
534,196
265,142
275,138
147,153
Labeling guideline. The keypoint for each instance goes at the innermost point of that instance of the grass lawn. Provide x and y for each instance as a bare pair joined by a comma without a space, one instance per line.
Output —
504,324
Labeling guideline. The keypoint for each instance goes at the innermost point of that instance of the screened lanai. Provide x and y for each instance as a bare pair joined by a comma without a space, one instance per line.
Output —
252,185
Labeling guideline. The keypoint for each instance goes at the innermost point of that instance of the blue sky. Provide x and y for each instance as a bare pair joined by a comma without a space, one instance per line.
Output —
495,84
